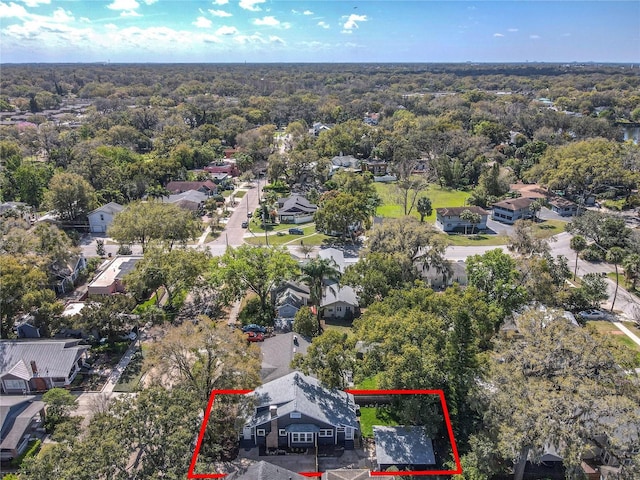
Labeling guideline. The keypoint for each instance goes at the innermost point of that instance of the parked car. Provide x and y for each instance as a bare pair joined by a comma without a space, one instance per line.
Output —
249,214
245,224
592,314
255,337
296,231
252,327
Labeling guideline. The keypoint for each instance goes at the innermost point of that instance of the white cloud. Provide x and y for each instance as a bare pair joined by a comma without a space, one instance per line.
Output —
227,30
202,22
323,24
130,13
295,12
512,30
84,20
12,10
35,3
278,40
534,37
269,21
150,2
498,35
251,5
307,12
123,5
219,13
255,39
60,15
220,2
352,22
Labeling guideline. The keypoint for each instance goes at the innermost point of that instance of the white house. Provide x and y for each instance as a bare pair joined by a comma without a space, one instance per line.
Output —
339,302
101,218
513,209
448,219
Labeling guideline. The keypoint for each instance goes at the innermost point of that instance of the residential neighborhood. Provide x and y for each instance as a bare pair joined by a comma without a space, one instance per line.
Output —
251,272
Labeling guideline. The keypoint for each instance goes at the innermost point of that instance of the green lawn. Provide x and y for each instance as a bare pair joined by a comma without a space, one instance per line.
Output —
239,194
619,338
130,379
310,237
372,416
440,197
544,229
336,324
370,383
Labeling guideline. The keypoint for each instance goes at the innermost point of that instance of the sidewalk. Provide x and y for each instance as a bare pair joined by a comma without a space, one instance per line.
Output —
116,373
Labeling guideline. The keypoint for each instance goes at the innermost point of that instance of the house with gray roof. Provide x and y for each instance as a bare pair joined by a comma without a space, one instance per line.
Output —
338,257
407,448
296,209
278,352
512,209
339,301
36,365
265,471
448,219
191,200
288,298
296,411
20,417
101,217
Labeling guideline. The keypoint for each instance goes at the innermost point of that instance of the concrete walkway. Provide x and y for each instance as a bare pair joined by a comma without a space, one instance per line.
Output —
116,373
627,332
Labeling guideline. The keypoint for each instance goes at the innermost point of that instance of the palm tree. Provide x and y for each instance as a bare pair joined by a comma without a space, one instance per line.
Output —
424,207
315,274
577,244
615,255
631,265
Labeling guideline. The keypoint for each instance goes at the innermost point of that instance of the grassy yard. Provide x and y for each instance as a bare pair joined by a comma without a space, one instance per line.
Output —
619,338
239,194
543,229
374,416
337,324
309,238
370,383
130,379
440,197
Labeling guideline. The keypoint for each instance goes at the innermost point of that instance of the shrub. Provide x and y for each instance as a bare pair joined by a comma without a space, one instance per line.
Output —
34,447
252,313
592,254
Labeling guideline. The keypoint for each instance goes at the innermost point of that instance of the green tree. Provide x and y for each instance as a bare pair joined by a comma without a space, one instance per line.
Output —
615,255
70,195
473,218
145,222
495,274
631,265
255,269
59,402
577,243
374,275
424,208
338,213
524,241
534,401
316,274
330,357
305,323
177,270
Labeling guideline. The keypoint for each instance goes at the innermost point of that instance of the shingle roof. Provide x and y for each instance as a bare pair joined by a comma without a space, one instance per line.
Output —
403,446
15,418
111,208
514,203
335,293
53,358
297,392
266,471
297,204
277,353
456,211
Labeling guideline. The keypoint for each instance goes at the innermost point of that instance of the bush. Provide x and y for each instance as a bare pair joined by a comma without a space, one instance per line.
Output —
252,313
592,254
31,451
124,250
305,323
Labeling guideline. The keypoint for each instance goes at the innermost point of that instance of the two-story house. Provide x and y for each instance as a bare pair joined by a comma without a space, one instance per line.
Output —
513,209
295,411
448,219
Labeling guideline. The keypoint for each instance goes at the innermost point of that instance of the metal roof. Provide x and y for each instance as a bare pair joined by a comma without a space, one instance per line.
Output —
51,358
403,446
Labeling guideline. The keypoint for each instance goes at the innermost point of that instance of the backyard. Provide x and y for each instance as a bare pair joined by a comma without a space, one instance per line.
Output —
440,197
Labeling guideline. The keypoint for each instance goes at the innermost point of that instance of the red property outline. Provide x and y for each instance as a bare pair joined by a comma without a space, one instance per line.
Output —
445,412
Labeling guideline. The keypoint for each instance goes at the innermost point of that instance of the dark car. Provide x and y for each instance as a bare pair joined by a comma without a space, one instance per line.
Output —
245,224
249,214
255,337
252,327
296,231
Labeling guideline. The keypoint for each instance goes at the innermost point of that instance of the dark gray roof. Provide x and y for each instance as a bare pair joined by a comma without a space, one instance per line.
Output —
514,204
277,353
297,392
403,446
266,471
15,418
127,266
296,204
53,358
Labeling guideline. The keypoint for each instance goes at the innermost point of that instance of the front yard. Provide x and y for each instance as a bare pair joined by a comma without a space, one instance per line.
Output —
440,197
619,339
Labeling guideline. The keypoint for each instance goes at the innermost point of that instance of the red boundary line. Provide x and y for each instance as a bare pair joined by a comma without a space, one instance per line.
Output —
445,412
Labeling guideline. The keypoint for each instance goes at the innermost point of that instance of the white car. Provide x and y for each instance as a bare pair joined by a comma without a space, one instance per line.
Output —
592,314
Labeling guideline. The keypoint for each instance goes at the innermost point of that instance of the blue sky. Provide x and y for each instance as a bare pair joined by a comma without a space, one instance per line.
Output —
318,31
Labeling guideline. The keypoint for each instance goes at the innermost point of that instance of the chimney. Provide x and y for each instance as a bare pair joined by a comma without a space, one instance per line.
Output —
34,367
273,411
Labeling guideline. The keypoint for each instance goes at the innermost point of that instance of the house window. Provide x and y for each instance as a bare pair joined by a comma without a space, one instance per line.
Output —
302,437
338,309
340,429
282,432
101,217
295,415
261,432
326,433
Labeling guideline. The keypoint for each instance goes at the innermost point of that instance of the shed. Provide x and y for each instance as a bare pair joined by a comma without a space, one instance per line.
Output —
404,447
